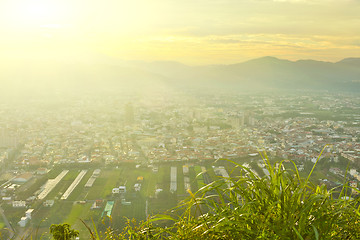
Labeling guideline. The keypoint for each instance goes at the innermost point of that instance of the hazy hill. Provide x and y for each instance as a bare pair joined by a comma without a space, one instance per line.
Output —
267,72
352,62
23,78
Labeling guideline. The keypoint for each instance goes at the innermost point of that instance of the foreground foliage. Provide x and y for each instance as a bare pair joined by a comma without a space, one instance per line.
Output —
63,232
279,206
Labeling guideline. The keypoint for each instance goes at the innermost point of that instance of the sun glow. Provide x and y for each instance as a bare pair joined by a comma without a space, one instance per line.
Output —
193,32
39,13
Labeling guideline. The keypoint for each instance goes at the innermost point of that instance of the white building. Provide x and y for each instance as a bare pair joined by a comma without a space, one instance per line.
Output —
23,221
28,213
115,190
18,204
48,203
137,187
96,172
122,189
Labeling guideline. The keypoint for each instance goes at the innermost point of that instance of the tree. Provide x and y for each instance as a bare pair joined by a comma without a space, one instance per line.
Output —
63,232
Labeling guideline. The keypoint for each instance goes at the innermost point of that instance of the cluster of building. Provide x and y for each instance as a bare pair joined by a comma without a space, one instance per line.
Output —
294,127
178,128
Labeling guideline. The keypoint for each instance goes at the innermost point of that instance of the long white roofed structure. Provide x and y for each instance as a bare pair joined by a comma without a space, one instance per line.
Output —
93,177
51,184
73,185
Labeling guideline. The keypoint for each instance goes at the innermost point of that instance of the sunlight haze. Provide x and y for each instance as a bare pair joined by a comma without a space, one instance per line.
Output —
179,119
192,32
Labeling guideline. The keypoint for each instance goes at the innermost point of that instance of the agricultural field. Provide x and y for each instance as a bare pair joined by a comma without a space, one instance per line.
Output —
4,232
135,203
85,213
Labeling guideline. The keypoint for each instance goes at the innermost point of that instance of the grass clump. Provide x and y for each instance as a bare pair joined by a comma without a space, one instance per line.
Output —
280,206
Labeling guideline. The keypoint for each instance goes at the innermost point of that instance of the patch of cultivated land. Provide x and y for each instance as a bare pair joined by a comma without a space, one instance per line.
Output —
79,202
2,224
108,179
83,212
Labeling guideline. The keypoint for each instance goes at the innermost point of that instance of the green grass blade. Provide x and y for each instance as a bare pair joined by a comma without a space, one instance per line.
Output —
297,233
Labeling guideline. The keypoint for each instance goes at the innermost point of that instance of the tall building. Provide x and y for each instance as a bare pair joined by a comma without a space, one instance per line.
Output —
249,120
237,121
129,114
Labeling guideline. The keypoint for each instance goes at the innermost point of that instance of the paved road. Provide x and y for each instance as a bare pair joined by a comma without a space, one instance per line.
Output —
9,227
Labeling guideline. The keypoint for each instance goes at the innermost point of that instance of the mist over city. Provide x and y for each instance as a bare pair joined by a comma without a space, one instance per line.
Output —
178,120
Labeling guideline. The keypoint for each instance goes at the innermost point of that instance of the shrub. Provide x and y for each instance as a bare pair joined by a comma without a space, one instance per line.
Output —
63,232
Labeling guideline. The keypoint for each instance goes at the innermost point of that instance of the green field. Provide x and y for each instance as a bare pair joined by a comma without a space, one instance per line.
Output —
180,181
193,183
104,184
2,224
83,212
199,177
78,205
130,205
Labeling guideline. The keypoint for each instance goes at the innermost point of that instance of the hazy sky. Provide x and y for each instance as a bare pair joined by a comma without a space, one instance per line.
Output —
190,31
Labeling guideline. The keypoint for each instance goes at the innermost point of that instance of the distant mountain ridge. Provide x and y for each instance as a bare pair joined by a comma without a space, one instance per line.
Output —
266,73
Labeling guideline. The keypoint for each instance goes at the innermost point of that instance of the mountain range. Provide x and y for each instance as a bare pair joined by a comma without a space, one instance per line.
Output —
264,73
